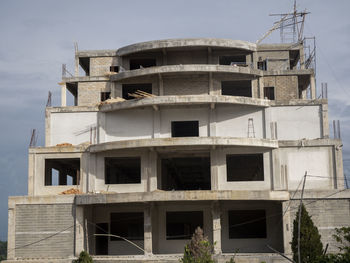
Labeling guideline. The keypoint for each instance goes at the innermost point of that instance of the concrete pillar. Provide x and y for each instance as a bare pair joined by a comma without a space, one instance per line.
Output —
210,84
11,238
325,126
302,57
261,88
212,121
80,231
76,68
152,171
339,180
312,87
156,123
148,230
47,127
214,169
63,95
216,215
31,172
287,234
160,85
118,90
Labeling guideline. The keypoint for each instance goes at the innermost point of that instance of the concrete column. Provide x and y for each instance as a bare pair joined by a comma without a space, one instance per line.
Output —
261,88
210,84
118,90
47,127
63,95
339,182
76,68
216,214
148,230
325,126
214,169
80,231
287,234
212,121
11,238
156,123
31,169
152,171
312,87
302,57
160,84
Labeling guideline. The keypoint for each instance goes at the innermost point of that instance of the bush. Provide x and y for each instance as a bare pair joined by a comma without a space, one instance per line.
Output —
342,237
311,250
84,257
199,250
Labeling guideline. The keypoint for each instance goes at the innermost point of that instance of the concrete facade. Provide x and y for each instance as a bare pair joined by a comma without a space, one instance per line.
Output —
222,142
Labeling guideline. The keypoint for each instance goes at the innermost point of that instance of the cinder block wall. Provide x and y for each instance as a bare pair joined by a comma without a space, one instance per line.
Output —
99,66
43,222
286,87
326,215
89,93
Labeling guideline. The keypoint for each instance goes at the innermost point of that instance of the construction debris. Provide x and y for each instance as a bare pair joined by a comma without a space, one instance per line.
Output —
139,94
112,100
72,191
108,74
64,144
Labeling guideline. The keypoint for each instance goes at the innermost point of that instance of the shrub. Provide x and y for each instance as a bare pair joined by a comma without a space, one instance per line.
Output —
84,257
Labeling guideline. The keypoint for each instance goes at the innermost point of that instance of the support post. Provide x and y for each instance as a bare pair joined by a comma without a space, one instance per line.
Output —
216,214
11,236
312,87
148,230
63,95
80,228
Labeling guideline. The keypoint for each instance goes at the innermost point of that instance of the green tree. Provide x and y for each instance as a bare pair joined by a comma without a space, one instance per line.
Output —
199,250
3,250
84,257
311,248
342,237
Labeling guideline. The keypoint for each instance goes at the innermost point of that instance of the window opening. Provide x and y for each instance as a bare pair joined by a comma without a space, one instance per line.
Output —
269,93
114,68
142,63
184,128
105,96
62,171
248,167
127,225
262,64
181,225
101,242
192,173
233,60
247,224
237,88
122,170
131,88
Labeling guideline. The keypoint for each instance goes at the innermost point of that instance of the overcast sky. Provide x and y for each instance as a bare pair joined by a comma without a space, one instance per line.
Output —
36,37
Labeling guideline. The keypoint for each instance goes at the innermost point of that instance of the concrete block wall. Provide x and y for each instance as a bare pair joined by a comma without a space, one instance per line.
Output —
89,93
277,60
44,221
99,66
286,87
186,85
327,215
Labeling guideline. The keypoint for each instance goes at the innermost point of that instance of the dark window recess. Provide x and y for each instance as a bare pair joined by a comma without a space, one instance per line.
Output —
184,128
127,225
262,64
237,88
122,170
142,63
192,173
232,60
101,242
131,88
181,225
247,224
114,68
62,171
269,93
249,167
105,96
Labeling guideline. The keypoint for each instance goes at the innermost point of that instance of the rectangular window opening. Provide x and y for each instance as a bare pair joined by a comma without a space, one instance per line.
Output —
248,167
62,171
191,173
114,69
233,60
101,242
269,93
247,224
127,225
142,63
241,88
132,88
105,96
181,225
122,170
184,128
262,64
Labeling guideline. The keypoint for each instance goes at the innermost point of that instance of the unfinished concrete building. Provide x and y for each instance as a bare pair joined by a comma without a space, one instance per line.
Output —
168,135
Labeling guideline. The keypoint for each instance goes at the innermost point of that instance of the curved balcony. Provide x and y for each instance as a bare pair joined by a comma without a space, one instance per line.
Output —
186,42
184,142
184,100
192,68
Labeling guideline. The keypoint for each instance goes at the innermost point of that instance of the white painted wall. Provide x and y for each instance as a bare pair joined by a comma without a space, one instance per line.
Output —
129,125
232,121
316,161
71,127
296,122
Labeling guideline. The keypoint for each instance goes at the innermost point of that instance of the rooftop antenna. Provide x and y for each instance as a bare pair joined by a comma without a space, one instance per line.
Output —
290,31
33,138
48,103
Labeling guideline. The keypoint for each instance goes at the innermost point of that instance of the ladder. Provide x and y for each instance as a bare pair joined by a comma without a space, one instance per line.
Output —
251,131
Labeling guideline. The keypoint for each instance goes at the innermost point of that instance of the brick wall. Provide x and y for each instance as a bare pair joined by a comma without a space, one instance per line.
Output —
36,222
89,93
286,87
99,66
186,85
